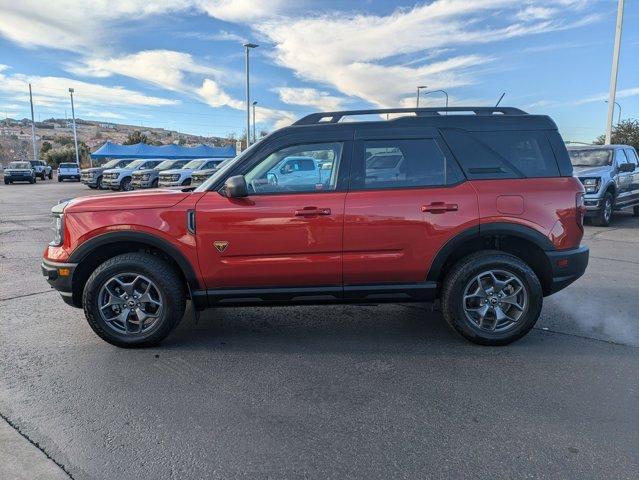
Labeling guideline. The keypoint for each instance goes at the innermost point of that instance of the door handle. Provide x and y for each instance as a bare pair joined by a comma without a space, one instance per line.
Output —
440,207
311,211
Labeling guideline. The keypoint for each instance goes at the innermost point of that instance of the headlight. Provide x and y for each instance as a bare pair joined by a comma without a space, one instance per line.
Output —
175,178
58,230
591,185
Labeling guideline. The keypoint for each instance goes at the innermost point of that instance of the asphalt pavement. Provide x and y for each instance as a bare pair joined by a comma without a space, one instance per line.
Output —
322,392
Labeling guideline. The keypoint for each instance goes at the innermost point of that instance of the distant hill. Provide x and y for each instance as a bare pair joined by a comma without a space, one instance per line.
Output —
15,135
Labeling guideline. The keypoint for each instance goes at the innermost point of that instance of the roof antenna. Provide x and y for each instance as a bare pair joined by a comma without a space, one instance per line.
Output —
500,98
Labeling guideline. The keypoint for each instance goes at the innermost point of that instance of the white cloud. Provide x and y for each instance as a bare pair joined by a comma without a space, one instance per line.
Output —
74,24
54,91
310,97
164,68
356,54
213,95
624,93
241,10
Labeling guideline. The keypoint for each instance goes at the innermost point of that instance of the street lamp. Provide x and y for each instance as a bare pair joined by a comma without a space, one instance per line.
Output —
75,133
254,137
247,47
619,113
419,87
436,91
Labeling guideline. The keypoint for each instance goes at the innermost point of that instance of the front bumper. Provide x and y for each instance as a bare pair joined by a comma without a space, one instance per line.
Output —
566,267
60,277
136,183
19,178
165,183
89,181
67,176
112,184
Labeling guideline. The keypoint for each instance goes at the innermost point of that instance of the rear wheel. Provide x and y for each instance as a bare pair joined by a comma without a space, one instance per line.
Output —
491,298
134,300
604,216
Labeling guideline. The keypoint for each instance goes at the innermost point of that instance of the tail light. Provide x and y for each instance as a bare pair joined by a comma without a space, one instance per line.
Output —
580,208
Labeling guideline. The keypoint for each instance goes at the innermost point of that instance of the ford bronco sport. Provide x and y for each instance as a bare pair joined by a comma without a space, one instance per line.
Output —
480,211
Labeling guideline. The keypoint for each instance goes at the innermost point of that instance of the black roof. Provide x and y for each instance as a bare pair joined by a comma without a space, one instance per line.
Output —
477,118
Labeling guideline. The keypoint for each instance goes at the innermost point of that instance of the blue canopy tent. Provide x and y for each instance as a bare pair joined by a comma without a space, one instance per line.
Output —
142,150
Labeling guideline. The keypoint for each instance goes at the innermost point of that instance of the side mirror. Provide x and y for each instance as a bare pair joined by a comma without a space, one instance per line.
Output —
627,167
236,187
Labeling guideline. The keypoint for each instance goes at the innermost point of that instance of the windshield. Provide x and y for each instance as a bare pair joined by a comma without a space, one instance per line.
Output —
135,164
115,163
194,164
165,165
19,165
590,158
68,165
226,165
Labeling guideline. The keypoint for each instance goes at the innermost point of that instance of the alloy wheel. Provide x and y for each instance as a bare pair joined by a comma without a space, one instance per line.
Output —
130,304
495,300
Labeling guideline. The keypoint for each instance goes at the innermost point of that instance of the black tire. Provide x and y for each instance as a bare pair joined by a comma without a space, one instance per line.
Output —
92,187
51,175
603,217
32,180
154,183
635,211
60,179
125,185
467,269
98,183
6,181
158,271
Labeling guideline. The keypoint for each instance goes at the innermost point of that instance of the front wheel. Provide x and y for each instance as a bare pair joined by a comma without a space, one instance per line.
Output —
50,175
60,178
126,186
491,298
134,300
635,211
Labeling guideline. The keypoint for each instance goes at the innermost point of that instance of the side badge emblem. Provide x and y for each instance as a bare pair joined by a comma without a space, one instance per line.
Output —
220,246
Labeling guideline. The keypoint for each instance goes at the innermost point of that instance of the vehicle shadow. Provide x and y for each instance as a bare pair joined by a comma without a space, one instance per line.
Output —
394,329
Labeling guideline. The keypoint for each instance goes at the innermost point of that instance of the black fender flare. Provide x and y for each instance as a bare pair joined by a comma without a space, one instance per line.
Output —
476,232
84,250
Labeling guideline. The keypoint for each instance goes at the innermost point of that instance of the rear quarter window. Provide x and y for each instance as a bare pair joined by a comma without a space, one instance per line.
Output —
503,154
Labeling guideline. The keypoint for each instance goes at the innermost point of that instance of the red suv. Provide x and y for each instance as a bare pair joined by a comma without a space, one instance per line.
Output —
480,211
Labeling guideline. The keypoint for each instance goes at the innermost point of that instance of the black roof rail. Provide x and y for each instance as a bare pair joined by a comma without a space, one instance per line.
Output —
335,117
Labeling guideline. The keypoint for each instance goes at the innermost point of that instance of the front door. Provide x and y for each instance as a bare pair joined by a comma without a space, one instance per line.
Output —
285,233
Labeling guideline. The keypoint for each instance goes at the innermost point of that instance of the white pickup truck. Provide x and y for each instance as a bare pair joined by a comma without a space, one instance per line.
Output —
68,171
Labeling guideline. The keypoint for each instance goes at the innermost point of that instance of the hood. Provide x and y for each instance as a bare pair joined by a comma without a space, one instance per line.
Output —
117,170
178,170
146,170
592,171
92,169
137,199
208,171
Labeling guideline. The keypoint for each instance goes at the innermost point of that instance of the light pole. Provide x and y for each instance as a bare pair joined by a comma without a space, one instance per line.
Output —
33,136
619,111
437,91
75,133
614,71
419,87
247,47
254,137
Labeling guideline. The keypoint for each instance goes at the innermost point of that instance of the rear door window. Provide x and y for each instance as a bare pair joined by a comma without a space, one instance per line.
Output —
402,163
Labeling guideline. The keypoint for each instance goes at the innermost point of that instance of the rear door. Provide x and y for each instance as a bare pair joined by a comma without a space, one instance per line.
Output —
631,155
624,179
282,234
407,198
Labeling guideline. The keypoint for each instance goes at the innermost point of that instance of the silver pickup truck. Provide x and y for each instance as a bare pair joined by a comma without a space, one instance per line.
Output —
610,176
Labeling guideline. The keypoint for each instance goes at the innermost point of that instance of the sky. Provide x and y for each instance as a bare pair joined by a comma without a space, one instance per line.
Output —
179,64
